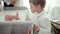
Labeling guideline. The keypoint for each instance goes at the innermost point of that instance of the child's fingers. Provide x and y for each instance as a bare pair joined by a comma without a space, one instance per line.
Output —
36,27
29,31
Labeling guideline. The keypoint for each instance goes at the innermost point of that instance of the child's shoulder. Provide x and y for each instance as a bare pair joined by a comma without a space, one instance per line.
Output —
44,17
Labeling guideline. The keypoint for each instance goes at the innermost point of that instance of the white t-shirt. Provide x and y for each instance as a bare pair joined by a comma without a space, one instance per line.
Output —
42,20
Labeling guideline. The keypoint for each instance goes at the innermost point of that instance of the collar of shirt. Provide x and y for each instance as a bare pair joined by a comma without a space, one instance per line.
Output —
36,17
40,14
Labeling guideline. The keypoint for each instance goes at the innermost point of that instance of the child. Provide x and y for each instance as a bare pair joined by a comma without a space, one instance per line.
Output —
37,6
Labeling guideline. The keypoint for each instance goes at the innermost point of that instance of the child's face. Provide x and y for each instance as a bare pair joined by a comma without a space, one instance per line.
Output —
34,8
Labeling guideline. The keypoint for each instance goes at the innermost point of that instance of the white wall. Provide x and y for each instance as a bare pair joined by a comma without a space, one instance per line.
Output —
50,3
57,1
26,3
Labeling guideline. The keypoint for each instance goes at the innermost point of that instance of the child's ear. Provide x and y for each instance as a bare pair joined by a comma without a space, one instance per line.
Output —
38,6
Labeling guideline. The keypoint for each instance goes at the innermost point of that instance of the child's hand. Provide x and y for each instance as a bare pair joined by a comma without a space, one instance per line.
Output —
11,17
36,28
29,31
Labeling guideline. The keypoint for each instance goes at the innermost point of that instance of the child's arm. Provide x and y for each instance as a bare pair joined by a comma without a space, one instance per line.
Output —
45,26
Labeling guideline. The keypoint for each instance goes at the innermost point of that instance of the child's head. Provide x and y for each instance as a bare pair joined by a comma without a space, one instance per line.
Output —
37,5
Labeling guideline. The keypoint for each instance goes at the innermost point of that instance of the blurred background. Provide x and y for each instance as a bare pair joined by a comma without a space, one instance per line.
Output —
24,4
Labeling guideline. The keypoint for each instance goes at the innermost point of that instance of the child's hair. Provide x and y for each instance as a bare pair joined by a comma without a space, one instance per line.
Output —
37,2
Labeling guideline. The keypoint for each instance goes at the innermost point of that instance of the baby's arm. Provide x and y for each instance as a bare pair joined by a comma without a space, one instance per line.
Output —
9,17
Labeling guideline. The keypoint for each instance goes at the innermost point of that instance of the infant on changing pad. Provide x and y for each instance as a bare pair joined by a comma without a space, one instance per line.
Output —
42,23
